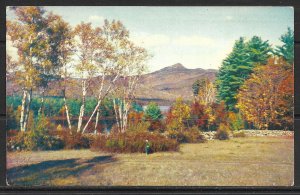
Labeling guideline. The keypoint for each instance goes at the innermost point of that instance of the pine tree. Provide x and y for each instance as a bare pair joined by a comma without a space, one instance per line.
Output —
234,70
237,67
196,87
153,112
259,50
287,49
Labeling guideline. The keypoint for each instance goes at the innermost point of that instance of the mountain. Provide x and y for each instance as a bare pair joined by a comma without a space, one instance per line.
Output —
162,86
166,84
173,68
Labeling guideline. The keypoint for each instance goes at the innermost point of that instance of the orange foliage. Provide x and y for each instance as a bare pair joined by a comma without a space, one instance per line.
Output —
266,98
135,117
198,112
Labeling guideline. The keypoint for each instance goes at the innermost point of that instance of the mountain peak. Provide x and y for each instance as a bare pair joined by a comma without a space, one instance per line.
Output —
177,66
173,68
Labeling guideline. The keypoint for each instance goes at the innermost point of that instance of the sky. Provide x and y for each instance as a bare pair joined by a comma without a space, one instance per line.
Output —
197,37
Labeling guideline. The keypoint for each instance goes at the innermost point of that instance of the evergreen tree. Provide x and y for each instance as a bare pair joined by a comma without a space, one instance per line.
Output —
237,67
153,112
198,85
259,50
287,49
195,87
234,70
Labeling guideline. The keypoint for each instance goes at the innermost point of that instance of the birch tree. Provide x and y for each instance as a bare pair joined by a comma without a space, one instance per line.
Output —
85,46
61,42
207,92
110,61
135,58
54,52
26,34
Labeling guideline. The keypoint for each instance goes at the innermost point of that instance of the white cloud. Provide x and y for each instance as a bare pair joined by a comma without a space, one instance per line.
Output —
194,40
96,20
151,40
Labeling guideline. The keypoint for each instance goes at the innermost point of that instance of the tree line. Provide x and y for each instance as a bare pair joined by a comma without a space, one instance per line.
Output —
255,82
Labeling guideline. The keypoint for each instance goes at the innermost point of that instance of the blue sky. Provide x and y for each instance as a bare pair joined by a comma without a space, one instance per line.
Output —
197,37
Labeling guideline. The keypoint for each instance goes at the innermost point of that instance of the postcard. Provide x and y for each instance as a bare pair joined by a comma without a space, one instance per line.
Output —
150,96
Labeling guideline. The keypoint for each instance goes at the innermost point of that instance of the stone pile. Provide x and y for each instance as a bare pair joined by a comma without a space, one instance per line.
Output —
251,133
268,133
209,135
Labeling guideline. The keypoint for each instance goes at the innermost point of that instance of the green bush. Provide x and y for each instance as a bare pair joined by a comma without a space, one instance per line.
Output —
223,132
131,142
236,121
239,134
43,124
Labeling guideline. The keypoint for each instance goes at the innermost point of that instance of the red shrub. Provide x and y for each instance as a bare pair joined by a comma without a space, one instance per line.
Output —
134,142
74,140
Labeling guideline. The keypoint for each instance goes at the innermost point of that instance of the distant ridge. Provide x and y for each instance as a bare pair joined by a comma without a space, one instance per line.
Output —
171,82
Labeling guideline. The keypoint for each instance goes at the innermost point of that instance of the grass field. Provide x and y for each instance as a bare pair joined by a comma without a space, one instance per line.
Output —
250,161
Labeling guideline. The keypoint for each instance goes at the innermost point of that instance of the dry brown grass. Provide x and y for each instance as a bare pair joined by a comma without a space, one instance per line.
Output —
250,161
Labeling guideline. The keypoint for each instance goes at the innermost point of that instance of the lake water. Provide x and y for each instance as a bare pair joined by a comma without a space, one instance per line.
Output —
162,108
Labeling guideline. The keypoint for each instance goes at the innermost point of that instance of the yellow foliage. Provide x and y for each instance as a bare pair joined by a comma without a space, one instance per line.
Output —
180,112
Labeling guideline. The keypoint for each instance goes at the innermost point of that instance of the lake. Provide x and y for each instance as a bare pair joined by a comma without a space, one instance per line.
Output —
162,108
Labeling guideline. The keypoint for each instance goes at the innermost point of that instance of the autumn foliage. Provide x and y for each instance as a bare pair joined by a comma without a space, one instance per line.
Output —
178,115
266,98
199,114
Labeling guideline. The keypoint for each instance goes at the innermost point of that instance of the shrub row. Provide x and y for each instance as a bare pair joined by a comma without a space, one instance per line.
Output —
31,141
131,142
54,141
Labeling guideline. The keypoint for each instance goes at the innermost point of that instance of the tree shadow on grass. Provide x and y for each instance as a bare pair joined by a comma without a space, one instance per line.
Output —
42,173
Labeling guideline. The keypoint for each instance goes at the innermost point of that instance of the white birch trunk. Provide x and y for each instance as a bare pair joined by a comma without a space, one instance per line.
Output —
22,118
41,110
67,113
65,100
100,98
116,113
97,119
121,117
27,110
82,108
125,117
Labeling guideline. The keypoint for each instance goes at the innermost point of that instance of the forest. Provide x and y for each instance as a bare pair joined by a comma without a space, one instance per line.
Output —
254,89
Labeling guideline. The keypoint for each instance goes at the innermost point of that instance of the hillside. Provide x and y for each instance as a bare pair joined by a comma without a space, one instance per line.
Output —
171,82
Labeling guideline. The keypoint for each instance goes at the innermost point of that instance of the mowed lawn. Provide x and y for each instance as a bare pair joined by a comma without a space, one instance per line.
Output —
250,161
